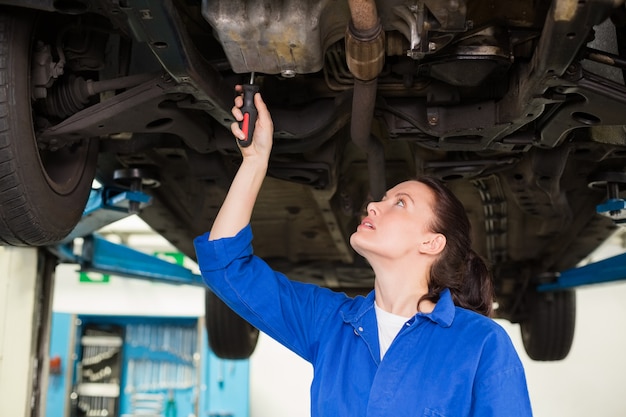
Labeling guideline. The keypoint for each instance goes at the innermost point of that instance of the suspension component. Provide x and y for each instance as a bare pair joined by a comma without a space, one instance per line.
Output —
71,94
44,70
70,97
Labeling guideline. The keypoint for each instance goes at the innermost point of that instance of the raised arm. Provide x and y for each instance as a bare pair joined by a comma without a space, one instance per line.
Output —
236,210
288,311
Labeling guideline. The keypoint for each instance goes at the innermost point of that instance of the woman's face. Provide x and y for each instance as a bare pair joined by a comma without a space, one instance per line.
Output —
397,224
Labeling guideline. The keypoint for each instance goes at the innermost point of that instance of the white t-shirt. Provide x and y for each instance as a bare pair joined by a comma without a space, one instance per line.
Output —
388,327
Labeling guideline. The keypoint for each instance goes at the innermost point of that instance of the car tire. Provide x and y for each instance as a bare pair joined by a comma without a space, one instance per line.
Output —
230,336
42,192
548,330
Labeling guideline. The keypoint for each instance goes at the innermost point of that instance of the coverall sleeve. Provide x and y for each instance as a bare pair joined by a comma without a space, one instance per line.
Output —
290,312
501,389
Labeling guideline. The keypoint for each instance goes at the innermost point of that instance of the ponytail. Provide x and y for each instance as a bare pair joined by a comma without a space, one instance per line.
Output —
477,290
459,268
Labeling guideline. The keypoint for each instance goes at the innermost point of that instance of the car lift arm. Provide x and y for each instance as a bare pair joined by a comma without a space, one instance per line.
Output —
100,255
107,205
608,270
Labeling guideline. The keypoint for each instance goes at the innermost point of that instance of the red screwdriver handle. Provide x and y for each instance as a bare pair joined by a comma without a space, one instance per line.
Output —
249,114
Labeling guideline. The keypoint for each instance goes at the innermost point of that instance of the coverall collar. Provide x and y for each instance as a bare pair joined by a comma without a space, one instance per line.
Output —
442,314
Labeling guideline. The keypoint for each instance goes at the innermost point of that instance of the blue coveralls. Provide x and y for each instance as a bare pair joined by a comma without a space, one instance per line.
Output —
448,363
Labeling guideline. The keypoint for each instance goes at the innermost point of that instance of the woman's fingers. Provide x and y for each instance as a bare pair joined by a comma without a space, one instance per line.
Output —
236,131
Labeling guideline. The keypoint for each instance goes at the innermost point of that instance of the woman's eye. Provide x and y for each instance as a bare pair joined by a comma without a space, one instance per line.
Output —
400,202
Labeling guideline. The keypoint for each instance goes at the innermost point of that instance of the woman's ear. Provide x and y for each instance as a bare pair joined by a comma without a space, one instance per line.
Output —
434,245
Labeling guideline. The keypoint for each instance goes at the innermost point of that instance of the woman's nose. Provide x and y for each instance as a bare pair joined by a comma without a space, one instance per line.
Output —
371,208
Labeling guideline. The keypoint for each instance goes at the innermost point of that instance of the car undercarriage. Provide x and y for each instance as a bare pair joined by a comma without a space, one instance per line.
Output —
519,107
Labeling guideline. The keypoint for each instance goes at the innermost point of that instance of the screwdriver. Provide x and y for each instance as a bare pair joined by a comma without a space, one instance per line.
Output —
249,112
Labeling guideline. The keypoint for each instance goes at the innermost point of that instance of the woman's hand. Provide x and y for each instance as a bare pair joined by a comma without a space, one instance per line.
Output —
261,145
236,210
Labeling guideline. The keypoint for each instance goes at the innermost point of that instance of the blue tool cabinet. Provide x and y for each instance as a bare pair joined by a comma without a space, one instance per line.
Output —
141,366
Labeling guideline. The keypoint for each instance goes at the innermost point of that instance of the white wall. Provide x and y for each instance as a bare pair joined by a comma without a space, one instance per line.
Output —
124,296
279,381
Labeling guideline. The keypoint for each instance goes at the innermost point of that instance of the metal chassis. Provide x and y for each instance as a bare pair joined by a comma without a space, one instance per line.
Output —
107,205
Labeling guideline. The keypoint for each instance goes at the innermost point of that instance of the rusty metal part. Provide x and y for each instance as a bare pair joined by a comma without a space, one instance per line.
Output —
365,51
365,41
365,55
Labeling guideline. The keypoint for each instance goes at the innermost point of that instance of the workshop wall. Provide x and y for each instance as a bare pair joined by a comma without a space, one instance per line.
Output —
96,294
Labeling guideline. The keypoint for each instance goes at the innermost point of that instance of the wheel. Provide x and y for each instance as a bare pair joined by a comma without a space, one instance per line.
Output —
43,192
548,330
230,336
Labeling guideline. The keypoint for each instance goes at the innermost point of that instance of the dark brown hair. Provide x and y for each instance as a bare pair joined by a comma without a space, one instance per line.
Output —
458,268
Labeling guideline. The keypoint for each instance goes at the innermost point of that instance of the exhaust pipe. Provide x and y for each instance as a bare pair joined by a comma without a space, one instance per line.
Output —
365,56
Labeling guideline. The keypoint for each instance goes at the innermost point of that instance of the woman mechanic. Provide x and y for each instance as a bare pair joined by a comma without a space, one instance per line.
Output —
420,344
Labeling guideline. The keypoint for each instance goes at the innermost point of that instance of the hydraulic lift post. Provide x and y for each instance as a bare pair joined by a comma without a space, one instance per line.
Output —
24,322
